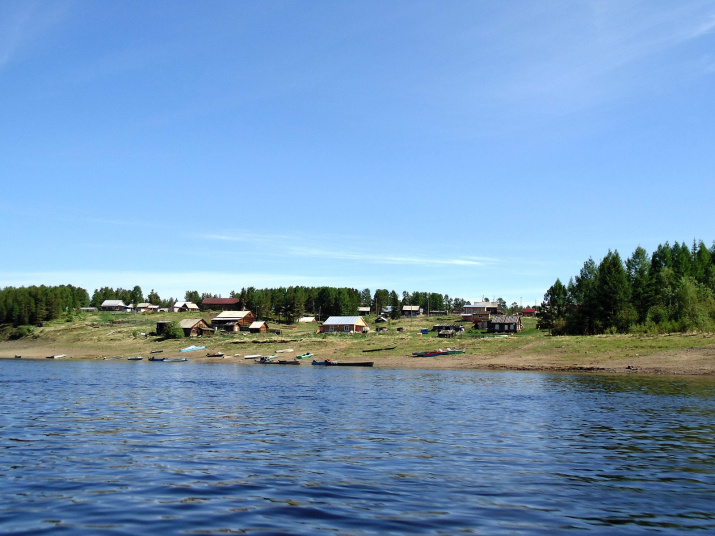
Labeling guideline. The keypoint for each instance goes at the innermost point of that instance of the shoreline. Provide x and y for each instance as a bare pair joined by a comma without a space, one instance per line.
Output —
697,362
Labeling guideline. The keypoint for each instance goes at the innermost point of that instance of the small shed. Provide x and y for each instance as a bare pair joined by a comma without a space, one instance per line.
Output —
306,319
258,327
411,310
363,311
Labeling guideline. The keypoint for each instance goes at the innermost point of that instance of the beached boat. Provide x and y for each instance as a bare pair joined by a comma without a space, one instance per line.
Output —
270,360
56,356
286,350
18,357
304,356
331,363
152,358
156,351
174,359
433,353
253,356
135,358
192,348
113,358
215,354
380,349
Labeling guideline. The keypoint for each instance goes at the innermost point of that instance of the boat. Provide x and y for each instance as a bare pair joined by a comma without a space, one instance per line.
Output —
286,350
152,358
304,356
331,363
380,349
156,351
270,360
253,356
174,359
136,358
215,354
113,358
432,353
18,357
192,348
56,356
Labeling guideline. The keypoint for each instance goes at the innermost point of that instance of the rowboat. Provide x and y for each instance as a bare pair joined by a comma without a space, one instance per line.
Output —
253,356
56,356
286,350
113,358
136,358
18,357
304,356
174,359
215,354
331,363
380,349
156,351
192,348
433,353
272,361
152,358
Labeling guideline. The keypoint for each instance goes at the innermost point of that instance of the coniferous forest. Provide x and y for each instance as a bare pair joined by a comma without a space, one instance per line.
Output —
670,290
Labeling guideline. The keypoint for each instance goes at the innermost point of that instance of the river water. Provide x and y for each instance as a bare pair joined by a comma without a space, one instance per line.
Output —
187,448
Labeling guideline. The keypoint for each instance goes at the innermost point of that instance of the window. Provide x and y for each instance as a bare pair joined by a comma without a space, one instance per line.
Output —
331,328
347,328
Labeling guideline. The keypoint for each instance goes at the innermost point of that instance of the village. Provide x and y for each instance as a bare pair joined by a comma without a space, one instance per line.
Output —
222,315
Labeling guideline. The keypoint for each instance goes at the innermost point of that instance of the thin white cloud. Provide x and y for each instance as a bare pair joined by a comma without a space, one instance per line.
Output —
376,258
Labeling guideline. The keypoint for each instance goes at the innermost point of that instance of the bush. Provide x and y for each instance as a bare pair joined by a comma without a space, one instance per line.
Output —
21,332
173,331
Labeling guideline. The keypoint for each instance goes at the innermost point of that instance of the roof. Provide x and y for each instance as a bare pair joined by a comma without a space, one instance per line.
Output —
410,307
187,304
306,319
504,319
343,320
364,309
228,315
143,305
189,322
257,324
220,301
113,303
528,310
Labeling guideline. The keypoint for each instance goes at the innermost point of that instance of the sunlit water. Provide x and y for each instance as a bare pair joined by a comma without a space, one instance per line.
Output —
187,448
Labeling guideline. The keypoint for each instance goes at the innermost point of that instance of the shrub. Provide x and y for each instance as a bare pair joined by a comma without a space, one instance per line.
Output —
173,331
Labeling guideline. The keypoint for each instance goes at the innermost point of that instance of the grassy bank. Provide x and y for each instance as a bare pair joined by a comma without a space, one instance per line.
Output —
93,335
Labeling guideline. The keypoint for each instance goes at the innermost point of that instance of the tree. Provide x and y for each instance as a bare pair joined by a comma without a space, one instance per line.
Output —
193,296
137,296
612,294
153,298
365,298
638,268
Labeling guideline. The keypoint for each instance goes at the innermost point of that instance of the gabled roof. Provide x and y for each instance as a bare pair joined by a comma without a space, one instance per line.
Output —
410,307
257,324
228,315
343,320
188,323
306,319
504,319
220,301
113,303
186,304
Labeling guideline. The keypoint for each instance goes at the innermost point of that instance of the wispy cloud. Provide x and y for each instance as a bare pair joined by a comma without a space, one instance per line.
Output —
22,23
376,258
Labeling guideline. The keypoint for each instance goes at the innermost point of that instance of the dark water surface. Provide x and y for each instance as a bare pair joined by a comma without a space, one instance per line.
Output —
187,448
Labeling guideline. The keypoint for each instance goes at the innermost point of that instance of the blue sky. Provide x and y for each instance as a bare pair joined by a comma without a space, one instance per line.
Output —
470,148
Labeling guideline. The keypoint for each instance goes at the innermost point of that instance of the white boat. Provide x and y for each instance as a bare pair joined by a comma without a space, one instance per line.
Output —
137,358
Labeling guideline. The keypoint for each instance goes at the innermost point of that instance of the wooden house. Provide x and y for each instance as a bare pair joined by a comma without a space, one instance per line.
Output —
528,312
113,305
363,311
259,326
344,324
504,324
233,320
220,304
411,310
195,327
183,306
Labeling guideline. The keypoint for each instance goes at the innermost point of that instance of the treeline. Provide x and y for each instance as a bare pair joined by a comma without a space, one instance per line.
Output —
31,305
670,290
